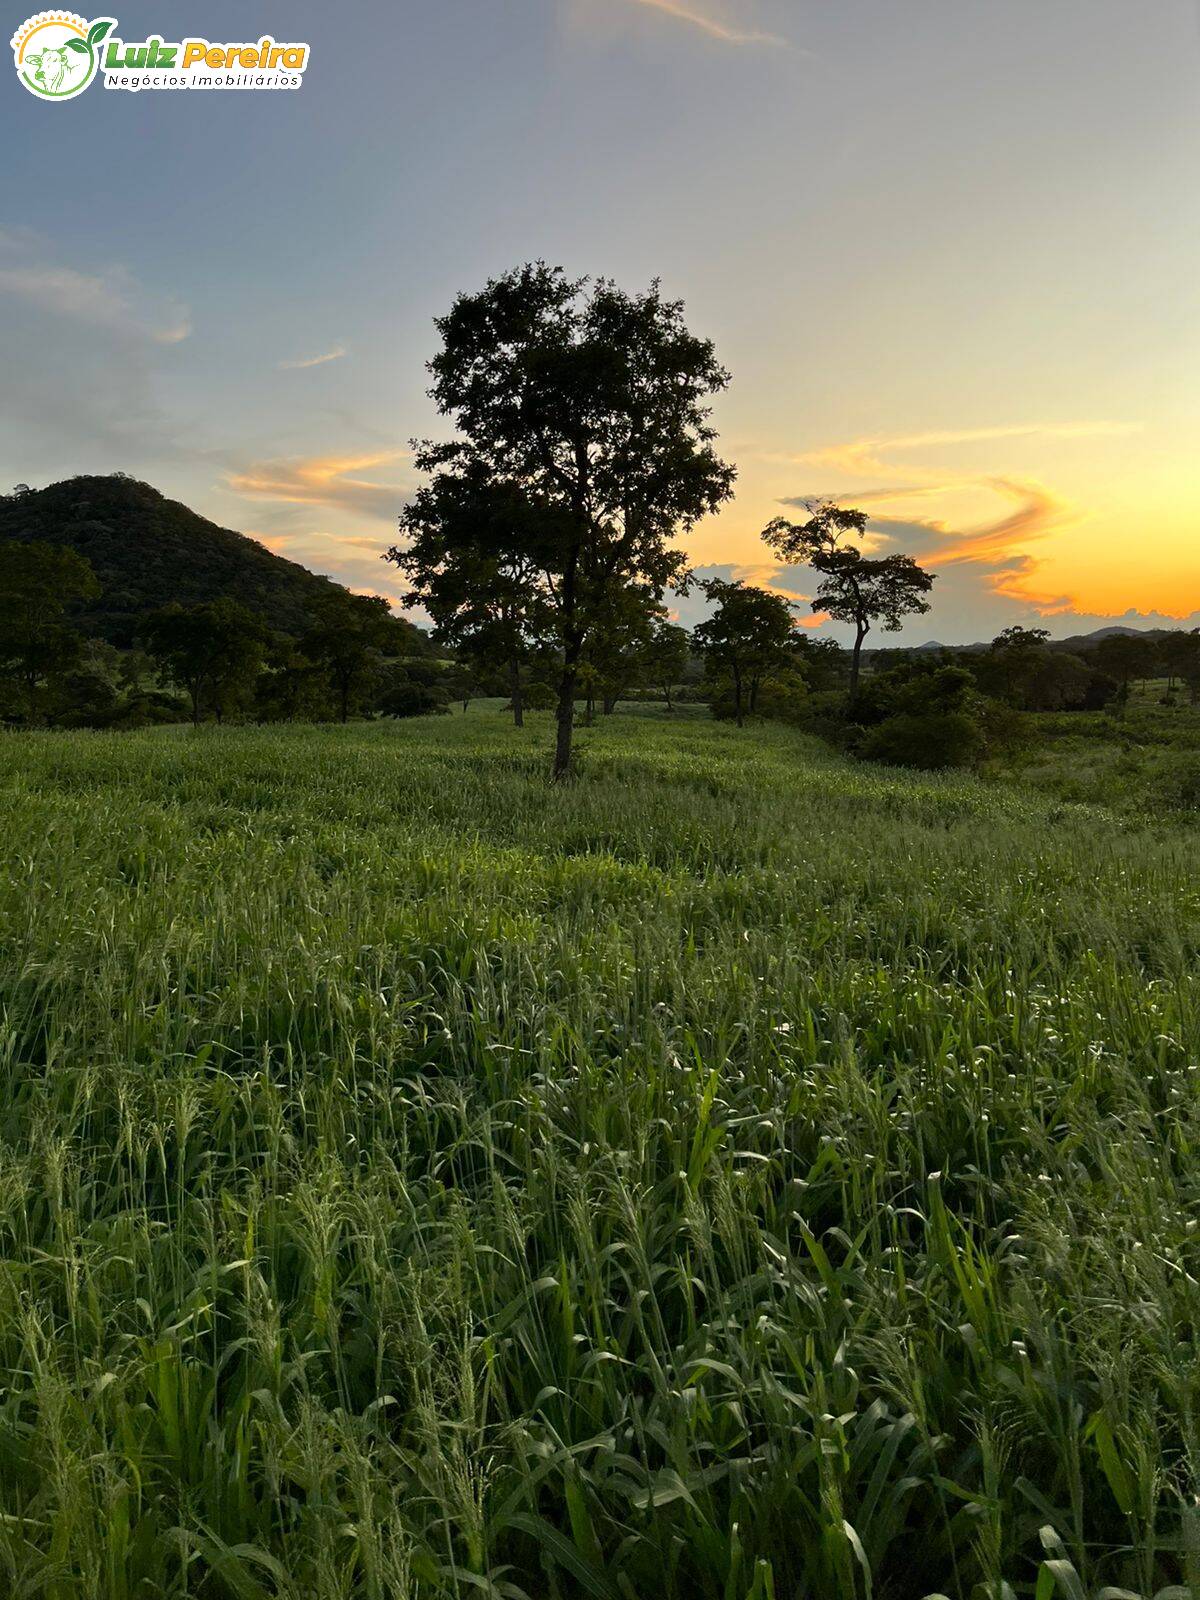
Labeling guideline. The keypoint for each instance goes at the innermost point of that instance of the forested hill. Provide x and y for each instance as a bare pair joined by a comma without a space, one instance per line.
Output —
148,551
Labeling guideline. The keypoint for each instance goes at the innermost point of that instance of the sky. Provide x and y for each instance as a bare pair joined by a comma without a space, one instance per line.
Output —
948,249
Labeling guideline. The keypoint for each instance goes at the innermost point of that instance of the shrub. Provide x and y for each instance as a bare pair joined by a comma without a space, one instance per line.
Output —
403,698
538,697
934,740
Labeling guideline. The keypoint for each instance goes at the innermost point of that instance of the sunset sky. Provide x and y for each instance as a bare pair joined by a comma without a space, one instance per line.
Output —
949,251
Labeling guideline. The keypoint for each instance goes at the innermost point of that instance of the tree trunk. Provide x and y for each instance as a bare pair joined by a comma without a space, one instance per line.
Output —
518,699
572,649
345,696
855,658
737,699
667,696
610,704
566,723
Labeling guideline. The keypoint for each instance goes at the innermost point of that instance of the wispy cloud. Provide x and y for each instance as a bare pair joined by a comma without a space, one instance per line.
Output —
864,457
324,481
720,31
335,354
112,299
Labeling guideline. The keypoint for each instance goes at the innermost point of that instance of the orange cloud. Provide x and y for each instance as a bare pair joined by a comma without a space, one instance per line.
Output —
1002,544
324,481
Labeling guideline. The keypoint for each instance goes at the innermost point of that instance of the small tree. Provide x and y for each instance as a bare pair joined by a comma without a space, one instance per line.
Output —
615,654
745,638
213,651
347,640
854,588
665,658
39,584
587,408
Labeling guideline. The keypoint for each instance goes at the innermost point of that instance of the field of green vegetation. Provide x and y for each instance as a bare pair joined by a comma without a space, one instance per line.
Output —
1140,759
736,1174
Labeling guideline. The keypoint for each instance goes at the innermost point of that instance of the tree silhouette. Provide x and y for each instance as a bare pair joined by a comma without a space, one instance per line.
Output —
746,636
348,638
854,588
587,407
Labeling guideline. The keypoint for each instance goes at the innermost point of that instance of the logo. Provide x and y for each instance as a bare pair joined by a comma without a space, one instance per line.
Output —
58,54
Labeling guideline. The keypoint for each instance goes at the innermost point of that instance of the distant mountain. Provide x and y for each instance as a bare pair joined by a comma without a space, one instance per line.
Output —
148,551
1077,641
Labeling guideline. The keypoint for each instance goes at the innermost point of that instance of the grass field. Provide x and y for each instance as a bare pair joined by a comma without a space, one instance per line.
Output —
1140,760
737,1174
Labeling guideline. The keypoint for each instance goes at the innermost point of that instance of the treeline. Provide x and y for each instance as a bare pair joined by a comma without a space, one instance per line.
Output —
216,660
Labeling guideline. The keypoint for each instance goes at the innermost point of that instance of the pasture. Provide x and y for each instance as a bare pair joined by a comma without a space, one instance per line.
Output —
735,1174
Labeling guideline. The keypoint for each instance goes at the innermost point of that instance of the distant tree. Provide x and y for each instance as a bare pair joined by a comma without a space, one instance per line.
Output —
39,585
854,588
212,651
348,639
665,658
588,408
1128,657
745,638
291,687
1179,654
615,654
822,661
1189,667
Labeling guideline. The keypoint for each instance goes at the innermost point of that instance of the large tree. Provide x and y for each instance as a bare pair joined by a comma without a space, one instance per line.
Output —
854,588
39,584
746,637
587,408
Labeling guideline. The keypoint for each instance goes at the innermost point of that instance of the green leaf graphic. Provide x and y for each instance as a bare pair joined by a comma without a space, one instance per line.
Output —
77,44
97,31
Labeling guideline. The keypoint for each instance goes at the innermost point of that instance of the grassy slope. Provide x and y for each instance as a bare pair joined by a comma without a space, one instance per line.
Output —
412,1172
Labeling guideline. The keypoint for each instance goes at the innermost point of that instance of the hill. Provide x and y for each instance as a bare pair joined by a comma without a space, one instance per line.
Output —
1075,642
148,551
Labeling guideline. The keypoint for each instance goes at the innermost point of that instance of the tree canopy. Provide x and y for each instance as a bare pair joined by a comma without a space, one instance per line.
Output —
746,636
584,411
854,588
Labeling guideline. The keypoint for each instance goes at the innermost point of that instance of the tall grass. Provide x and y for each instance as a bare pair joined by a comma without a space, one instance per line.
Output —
736,1175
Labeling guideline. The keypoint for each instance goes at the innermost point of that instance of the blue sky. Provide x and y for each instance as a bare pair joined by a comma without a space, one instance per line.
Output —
950,252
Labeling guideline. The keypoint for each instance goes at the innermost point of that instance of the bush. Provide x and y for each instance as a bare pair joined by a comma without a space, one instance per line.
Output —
782,697
934,740
403,698
538,697
1179,786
